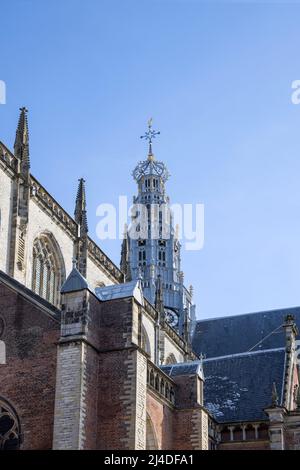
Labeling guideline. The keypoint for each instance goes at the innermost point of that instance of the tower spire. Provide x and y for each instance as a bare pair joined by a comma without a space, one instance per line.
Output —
21,145
80,208
156,249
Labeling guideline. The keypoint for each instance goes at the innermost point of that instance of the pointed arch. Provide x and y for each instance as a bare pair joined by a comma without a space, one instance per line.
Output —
171,359
151,439
10,429
48,270
145,342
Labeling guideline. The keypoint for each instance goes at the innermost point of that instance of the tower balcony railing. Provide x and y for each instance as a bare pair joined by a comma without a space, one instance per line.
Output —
160,383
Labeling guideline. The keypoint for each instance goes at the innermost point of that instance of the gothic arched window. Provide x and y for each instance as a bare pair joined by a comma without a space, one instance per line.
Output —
9,428
47,269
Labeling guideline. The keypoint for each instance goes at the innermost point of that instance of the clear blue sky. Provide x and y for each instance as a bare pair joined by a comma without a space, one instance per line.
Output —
216,77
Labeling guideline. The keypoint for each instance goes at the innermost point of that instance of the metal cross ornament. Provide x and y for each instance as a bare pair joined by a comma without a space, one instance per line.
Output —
150,134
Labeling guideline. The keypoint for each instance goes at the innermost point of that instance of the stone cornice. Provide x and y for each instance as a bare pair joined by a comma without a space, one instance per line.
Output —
39,193
8,160
150,310
241,423
175,337
99,257
44,199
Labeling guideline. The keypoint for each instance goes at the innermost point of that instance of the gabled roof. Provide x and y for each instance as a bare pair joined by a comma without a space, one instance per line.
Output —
74,282
240,333
239,387
120,291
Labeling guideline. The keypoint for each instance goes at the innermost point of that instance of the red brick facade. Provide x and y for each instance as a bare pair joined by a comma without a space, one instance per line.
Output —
79,379
161,416
27,380
107,364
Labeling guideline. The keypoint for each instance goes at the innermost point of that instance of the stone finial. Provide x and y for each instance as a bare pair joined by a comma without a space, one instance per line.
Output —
290,325
181,277
274,395
159,301
152,270
21,145
80,208
186,327
289,319
124,263
139,274
201,358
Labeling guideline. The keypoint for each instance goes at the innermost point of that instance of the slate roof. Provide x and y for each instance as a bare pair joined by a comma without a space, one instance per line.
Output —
237,334
238,387
75,281
183,368
119,291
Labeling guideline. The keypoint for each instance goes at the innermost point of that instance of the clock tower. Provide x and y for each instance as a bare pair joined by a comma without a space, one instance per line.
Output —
151,248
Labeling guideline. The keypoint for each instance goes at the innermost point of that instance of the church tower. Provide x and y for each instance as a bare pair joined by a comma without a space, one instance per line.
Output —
152,245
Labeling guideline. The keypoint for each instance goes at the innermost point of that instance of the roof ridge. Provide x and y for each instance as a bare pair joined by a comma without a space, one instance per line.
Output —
184,363
249,313
229,356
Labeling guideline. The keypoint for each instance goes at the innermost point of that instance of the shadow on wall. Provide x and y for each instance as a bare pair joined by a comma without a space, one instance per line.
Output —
151,439
2,353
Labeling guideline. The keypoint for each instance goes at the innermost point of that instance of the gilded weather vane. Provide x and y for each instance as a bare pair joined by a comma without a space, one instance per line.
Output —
150,134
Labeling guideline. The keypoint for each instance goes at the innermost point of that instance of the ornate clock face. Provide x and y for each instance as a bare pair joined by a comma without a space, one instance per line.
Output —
171,317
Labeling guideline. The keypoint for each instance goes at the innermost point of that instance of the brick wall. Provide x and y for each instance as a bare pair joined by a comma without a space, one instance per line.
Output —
244,445
122,377
161,416
70,408
77,373
292,434
27,381
191,420
122,400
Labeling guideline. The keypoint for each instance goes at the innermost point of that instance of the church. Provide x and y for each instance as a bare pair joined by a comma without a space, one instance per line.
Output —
96,356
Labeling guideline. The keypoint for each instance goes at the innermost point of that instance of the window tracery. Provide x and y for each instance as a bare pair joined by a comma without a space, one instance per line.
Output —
46,270
9,428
